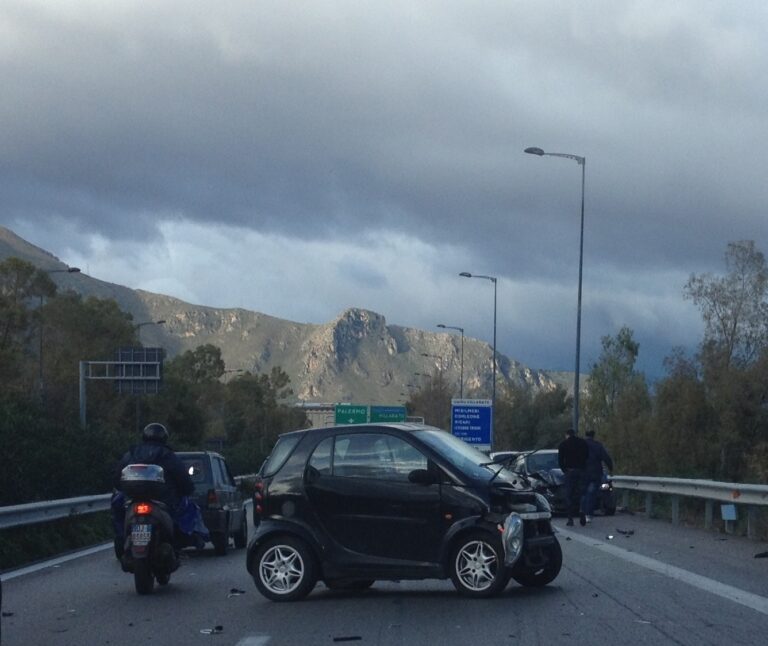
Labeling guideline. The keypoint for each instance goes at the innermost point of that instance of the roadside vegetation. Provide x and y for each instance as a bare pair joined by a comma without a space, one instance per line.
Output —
46,455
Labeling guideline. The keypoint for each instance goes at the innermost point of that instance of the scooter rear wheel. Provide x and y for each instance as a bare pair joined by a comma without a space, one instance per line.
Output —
143,578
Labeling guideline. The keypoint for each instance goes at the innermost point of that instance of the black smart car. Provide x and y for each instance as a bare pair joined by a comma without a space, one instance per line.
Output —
353,504
221,501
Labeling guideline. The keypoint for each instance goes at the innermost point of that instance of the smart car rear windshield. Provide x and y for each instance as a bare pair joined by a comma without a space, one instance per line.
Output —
279,454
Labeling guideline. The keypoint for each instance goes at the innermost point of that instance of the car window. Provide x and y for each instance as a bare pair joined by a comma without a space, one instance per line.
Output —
280,453
375,455
196,469
223,478
542,462
321,456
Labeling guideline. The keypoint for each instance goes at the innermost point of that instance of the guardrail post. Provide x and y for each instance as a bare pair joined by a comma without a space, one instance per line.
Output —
752,522
648,504
675,510
708,514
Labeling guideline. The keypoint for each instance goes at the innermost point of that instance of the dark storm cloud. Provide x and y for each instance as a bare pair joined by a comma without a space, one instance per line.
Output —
330,120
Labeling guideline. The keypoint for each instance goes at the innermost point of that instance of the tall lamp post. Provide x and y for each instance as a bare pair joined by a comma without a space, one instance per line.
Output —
68,270
581,161
494,280
461,372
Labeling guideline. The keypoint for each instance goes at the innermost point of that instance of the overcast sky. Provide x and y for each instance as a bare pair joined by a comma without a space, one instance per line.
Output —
299,158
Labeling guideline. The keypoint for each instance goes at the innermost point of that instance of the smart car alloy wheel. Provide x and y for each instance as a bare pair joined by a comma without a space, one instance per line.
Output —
477,567
285,569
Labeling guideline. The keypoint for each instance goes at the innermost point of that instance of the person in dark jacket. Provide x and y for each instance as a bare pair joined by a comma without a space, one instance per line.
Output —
154,449
572,456
593,475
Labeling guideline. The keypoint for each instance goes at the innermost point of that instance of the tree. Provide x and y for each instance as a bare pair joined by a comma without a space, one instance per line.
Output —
612,374
432,401
733,306
526,420
203,365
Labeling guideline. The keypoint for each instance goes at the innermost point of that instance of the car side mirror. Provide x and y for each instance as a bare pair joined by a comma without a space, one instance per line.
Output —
422,477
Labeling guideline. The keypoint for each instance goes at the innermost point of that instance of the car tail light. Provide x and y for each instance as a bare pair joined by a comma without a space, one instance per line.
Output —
143,508
259,493
213,498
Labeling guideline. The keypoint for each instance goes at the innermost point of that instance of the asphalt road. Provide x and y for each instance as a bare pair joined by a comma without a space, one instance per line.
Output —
652,584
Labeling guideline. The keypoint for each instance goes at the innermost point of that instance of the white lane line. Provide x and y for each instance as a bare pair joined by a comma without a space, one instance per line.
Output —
7,576
753,601
255,640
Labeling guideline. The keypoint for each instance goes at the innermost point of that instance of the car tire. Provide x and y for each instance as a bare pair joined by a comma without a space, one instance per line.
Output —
241,535
285,569
220,542
476,565
349,584
538,577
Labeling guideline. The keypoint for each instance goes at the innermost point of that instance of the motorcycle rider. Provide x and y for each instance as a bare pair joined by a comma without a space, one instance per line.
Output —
154,449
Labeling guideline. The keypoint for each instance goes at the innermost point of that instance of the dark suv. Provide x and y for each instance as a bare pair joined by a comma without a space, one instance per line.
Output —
219,498
353,504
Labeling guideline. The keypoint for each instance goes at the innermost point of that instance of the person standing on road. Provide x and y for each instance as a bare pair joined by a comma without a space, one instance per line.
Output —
572,456
593,477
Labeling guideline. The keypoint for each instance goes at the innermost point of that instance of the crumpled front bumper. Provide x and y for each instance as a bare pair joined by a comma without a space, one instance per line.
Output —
513,533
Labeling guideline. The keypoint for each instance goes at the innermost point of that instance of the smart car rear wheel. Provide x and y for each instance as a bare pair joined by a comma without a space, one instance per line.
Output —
285,569
477,565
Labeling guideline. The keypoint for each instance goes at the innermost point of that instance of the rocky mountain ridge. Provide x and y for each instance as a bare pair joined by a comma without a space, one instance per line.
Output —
357,357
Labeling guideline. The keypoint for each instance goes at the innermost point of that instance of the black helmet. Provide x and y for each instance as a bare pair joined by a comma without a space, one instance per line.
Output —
155,432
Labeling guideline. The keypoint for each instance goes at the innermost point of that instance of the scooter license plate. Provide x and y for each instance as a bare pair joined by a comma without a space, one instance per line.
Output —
141,534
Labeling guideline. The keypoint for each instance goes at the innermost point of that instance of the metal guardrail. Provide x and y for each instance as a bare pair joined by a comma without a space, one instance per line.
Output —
39,512
751,496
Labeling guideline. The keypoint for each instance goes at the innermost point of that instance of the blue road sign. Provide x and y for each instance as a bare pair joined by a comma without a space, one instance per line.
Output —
472,420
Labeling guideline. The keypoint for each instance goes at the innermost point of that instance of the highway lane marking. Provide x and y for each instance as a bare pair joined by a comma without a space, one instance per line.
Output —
256,640
30,569
748,599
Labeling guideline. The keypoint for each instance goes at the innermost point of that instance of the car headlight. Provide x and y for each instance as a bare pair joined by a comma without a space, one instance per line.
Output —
543,503
512,539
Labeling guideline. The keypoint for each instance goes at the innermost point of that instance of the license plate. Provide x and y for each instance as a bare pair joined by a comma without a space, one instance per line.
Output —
141,534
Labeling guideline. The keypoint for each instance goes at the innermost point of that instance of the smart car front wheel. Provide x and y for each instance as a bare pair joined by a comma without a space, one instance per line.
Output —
477,565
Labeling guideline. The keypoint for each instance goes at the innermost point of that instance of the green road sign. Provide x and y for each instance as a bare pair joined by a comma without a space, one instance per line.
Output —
388,413
351,414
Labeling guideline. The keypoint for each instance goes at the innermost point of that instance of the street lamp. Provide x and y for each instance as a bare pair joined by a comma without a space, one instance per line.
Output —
461,378
68,270
493,279
581,161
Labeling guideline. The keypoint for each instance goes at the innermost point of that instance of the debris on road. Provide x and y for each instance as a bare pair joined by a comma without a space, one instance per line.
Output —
625,532
761,555
353,638
610,537
235,592
212,631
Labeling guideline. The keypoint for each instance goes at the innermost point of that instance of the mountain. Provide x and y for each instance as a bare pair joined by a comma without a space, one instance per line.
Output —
357,357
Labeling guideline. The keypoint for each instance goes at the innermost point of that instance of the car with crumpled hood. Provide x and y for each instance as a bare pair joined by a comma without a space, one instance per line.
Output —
352,505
